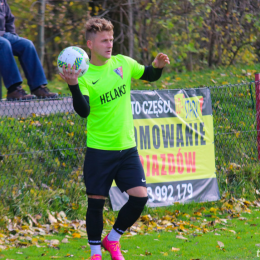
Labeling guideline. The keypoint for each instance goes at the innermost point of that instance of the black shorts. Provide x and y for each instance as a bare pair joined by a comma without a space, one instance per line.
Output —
101,167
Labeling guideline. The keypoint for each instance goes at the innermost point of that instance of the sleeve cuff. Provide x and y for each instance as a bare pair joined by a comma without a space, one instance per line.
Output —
74,88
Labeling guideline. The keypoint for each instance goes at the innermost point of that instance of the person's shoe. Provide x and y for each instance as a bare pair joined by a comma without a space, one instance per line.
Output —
44,92
113,247
19,94
96,257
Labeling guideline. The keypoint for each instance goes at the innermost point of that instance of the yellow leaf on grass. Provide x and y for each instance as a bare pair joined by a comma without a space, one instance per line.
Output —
247,211
146,218
34,241
164,253
76,235
148,253
247,203
213,210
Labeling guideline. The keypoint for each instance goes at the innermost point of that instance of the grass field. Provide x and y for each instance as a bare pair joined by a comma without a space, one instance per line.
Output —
212,235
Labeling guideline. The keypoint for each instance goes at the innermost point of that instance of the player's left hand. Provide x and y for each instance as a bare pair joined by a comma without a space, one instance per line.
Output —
70,75
160,61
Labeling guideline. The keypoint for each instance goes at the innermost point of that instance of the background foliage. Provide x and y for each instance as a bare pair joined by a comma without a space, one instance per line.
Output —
195,34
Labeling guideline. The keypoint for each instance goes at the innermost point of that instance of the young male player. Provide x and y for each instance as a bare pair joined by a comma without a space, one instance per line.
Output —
103,95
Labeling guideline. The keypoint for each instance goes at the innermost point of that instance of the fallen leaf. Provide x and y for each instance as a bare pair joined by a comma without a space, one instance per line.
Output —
76,235
148,253
175,249
65,240
181,237
51,218
220,244
164,253
223,220
54,242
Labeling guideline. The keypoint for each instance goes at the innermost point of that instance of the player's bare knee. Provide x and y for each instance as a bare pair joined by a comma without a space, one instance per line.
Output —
99,197
137,192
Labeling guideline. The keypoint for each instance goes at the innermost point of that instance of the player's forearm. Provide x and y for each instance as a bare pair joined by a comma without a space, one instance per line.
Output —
151,74
80,102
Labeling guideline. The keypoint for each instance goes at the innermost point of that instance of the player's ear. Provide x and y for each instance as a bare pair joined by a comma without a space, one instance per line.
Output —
89,44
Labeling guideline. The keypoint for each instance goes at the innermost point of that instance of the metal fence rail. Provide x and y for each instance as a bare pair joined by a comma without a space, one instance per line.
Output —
43,142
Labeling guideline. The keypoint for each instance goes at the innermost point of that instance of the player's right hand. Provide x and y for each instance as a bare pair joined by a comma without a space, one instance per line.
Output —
69,75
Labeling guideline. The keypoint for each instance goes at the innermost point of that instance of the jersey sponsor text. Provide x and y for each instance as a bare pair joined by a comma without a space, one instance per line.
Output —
113,94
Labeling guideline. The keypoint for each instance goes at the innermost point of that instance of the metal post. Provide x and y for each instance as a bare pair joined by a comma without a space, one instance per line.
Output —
0,87
257,93
41,31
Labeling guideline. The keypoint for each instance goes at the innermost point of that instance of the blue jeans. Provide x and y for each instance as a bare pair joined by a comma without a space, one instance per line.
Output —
10,45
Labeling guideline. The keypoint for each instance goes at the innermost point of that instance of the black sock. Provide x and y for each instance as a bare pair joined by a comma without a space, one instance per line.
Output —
129,213
13,87
94,220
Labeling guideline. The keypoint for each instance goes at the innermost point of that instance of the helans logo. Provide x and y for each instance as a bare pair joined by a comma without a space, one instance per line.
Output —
189,108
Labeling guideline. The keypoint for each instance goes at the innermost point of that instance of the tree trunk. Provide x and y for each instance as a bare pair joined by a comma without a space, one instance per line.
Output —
41,31
211,39
131,30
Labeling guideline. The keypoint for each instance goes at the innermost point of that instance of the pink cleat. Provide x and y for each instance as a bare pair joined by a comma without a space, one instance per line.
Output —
113,247
95,257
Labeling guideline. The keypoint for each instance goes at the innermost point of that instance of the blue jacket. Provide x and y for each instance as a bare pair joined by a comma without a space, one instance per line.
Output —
6,18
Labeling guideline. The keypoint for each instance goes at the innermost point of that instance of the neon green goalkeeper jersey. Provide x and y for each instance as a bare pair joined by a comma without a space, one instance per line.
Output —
110,122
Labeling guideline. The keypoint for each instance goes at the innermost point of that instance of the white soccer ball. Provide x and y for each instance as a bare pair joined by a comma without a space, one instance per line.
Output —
74,56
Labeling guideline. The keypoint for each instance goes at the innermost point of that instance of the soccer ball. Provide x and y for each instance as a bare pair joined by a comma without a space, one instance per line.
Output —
74,56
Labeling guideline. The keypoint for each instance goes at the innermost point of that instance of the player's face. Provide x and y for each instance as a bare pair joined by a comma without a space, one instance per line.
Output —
102,45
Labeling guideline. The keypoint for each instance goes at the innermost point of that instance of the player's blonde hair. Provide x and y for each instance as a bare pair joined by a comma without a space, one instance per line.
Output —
94,25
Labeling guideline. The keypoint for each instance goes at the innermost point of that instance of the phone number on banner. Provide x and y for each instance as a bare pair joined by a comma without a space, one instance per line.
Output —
164,192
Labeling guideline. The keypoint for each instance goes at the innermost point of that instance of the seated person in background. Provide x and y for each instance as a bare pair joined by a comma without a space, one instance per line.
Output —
11,44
